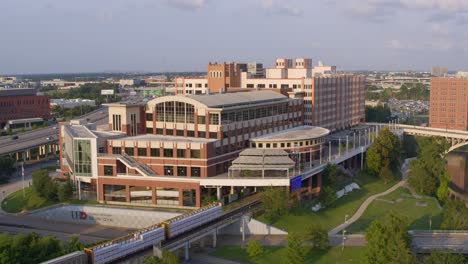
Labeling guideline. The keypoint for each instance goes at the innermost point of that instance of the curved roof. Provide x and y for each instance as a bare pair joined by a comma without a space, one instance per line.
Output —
223,100
294,134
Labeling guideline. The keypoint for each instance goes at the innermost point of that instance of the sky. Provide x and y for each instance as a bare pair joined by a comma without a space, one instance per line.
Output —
63,36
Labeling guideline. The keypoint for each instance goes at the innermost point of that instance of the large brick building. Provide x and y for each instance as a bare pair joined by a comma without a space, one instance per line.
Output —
449,103
22,103
174,149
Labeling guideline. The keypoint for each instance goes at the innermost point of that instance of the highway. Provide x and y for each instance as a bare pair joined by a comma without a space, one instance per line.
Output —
46,135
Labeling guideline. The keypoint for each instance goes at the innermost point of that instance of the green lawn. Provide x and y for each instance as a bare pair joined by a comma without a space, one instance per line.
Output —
15,203
276,254
418,216
328,218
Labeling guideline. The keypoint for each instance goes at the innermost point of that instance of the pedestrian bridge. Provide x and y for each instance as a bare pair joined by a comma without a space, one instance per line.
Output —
456,138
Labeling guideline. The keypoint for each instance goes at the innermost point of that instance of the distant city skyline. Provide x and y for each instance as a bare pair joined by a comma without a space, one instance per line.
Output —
52,36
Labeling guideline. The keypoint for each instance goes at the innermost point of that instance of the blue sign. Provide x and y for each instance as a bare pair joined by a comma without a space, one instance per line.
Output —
295,183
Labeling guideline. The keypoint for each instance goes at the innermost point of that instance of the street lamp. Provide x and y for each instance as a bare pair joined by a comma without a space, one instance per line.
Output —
344,238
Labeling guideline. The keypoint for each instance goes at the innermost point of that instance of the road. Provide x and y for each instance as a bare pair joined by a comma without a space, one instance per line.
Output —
45,135
15,224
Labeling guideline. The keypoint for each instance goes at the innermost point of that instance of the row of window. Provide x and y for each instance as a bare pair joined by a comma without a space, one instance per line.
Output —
288,144
182,171
25,102
156,152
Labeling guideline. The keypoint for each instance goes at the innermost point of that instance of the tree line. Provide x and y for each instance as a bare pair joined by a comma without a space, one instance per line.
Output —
90,91
417,91
33,248
50,189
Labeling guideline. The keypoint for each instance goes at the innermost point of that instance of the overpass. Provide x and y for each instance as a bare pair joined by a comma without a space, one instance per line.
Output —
42,143
456,138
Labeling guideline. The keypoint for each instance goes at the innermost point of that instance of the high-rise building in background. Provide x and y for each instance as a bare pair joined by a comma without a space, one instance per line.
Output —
331,100
438,71
449,103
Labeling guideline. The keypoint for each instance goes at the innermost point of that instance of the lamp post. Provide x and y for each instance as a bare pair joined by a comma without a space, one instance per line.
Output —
344,238
339,147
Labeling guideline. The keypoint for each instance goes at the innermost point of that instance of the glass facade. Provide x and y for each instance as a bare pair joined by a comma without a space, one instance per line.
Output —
82,149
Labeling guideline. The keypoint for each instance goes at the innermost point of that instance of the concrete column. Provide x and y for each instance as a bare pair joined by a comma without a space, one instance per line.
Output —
127,193
218,193
214,238
153,195
186,249
309,187
232,190
181,197
198,197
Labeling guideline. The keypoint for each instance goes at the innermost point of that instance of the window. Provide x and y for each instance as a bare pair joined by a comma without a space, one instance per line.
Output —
201,134
195,153
201,120
180,133
154,152
82,149
169,131
108,171
190,133
116,150
159,131
213,135
214,119
181,171
181,153
116,122
149,116
195,171
149,130
168,170
142,152
168,153
129,151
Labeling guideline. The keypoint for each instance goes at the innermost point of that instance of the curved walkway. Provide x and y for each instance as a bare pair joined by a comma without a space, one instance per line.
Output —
363,208
370,199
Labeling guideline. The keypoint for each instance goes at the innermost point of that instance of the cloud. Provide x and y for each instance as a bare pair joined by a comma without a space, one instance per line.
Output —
186,4
437,44
380,10
281,8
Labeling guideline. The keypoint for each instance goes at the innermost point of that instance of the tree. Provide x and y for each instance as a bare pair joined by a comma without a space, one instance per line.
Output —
318,236
455,215
65,191
44,186
379,113
7,167
388,241
295,248
72,245
428,171
383,154
254,248
327,196
444,258
274,202
169,258
152,260
410,146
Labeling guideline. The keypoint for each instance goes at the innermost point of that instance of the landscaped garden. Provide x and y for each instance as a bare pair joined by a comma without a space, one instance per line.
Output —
275,254
303,216
421,213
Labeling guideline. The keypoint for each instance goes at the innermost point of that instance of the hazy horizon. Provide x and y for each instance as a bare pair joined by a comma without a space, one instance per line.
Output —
59,37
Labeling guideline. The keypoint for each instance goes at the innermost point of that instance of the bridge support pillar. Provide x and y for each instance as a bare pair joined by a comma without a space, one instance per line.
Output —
157,252
214,239
218,193
186,250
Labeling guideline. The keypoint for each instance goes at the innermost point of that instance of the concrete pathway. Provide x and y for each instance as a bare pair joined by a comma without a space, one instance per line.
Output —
363,208
404,171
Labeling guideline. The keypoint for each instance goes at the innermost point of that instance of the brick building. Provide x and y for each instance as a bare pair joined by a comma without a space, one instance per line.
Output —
449,103
174,149
22,103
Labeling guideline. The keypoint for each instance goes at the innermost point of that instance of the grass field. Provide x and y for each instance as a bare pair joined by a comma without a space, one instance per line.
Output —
328,218
404,204
273,255
15,203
